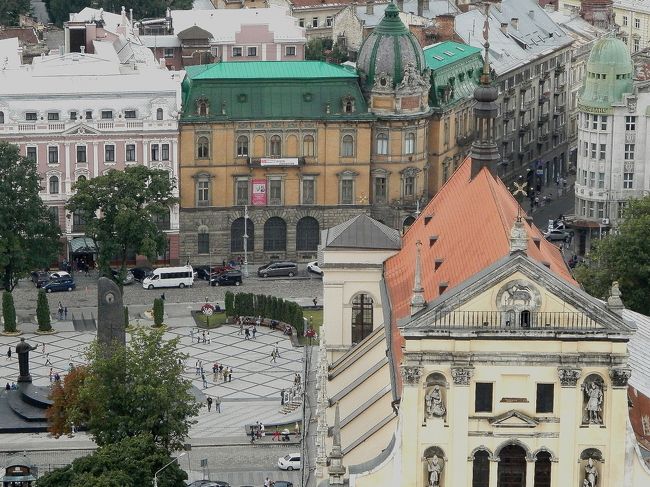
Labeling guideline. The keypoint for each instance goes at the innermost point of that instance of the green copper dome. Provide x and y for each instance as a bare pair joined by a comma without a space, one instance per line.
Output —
388,49
609,74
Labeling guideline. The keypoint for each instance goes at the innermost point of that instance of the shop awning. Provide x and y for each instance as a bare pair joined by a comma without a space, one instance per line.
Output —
84,245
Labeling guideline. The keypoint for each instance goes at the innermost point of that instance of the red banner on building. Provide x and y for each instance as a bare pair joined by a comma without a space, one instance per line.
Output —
259,192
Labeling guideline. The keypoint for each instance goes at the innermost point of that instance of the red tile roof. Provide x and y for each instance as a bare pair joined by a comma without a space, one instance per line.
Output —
470,220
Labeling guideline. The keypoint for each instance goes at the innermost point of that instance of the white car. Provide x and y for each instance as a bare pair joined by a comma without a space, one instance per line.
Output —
289,462
57,274
313,267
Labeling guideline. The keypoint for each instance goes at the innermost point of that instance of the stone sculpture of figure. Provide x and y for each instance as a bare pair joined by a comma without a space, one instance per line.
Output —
434,405
23,349
591,474
434,465
593,407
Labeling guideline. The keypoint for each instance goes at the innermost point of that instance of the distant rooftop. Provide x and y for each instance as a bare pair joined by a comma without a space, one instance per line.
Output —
269,70
362,232
447,52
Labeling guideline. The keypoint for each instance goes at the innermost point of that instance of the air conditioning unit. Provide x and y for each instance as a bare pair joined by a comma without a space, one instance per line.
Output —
605,221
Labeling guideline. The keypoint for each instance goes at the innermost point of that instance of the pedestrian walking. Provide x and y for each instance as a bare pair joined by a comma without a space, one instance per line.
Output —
258,321
47,359
267,482
217,404
205,382
247,336
72,429
43,347
262,433
57,377
9,353
209,403
241,325
192,335
276,435
60,310
198,367
203,337
273,356
209,339
252,434
277,351
230,374
315,301
225,374
254,332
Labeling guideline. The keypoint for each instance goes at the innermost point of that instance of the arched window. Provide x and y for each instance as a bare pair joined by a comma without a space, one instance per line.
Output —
512,467
202,107
382,144
348,106
361,317
347,146
81,178
308,146
276,146
543,469
203,242
2,117
307,234
481,469
159,114
54,185
237,235
202,148
242,146
409,144
275,235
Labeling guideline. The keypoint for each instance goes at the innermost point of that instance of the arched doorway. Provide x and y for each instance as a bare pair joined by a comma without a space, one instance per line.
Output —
512,467
237,235
275,235
361,317
307,234
481,469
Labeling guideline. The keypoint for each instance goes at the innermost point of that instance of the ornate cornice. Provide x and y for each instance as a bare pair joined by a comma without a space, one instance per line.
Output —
620,376
411,375
568,376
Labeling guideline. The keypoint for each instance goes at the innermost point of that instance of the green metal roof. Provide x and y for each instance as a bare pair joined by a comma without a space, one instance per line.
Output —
447,52
391,24
270,90
269,70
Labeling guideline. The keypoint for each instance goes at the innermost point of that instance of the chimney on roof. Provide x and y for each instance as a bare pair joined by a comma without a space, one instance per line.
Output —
336,470
614,301
370,7
417,300
515,23
504,27
444,27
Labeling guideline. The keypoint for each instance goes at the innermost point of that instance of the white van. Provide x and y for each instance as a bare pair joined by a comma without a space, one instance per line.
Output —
170,277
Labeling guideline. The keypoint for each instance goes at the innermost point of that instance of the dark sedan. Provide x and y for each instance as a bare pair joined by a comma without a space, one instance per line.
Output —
39,278
139,273
60,284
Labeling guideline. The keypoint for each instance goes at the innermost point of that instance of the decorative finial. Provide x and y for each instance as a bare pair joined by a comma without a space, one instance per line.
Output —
614,301
485,77
336,470
417,301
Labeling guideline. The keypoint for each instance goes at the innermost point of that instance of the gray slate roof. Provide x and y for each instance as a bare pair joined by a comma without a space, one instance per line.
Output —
639,346
362,232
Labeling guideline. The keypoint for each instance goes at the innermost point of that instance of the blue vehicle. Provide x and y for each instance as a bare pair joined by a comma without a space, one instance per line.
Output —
60,284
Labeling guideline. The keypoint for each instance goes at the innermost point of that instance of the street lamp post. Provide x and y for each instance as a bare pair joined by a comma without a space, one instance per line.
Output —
155,476
245,241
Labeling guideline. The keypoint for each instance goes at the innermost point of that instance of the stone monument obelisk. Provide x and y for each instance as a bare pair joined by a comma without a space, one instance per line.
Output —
110,314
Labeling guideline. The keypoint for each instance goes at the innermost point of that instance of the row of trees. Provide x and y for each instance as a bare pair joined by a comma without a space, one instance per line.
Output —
137,407
248,304
42,312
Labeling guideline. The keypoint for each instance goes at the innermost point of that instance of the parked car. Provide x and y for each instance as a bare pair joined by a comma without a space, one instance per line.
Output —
278,269
129,279
282,483
209,483
39,278
60,284
59,274
228,278
202,272
558,235
289,462
313,268
139,273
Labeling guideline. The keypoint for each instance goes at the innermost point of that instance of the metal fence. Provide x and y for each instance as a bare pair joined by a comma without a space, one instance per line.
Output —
508,320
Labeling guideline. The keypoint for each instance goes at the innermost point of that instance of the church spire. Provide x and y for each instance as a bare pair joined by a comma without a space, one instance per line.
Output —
417,300
484,148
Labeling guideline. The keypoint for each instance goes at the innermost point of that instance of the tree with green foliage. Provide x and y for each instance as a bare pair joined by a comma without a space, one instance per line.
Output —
43,312
622,257
229,303
130,462
137,389
158,312
29,236
11,10
8,312
120,209
314,50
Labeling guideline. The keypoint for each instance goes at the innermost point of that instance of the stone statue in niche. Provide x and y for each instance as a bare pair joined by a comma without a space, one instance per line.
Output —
434,405
434,467
591,474
594,397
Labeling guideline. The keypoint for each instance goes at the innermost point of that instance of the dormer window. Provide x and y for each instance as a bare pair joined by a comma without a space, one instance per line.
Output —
348,104
202,107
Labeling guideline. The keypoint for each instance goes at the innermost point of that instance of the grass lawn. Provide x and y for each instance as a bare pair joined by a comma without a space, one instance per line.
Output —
216,320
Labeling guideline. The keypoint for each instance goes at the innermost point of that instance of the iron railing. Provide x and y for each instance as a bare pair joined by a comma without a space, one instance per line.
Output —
510,320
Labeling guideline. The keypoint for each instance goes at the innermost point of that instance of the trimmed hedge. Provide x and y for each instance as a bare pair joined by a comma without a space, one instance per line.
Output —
8,312
43,312
158,311
248,304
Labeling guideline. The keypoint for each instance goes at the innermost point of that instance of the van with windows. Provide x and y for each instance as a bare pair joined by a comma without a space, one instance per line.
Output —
277,269
170,277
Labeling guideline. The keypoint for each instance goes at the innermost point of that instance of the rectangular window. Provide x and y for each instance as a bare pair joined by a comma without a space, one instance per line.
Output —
30,153
590,209
603,122
629,152
54,211
130,152
290,51
636,45
586,149
308,191
164,156
592,179
347,191
53,116
603,152
585,121
31,116
89,114
203,193
155,152
328,21
107,114
409,187
544,402
314,22
81,153
275,191
53,155
380,189
251,51
594,122
301,22
601,180
624,19
242,192
203,243
630,122
129,114
237,51
168,53
637,23
628,180
483,399
109,153
73,115
593,150
601,210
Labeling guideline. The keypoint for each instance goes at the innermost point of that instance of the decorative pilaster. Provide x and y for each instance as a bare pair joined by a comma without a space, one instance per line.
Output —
620,376
411,375
568,376
462,375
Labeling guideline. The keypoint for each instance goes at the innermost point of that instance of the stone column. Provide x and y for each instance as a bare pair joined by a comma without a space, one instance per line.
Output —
411,457
616,422
95,146
569,398
494,473
458,414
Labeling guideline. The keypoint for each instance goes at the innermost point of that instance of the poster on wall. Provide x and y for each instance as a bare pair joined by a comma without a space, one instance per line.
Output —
259,192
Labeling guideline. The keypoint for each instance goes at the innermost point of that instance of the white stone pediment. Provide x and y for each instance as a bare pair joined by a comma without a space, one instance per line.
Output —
82,129
513,419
